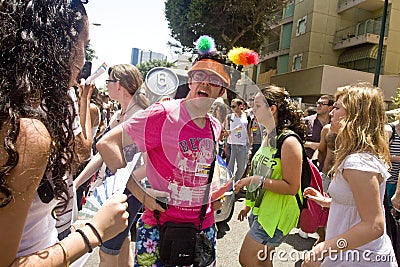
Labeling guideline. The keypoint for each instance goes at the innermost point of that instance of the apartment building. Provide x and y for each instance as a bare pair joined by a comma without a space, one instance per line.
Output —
315,46
139,56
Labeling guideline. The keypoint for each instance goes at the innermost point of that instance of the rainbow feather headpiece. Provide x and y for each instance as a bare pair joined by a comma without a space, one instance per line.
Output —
243,56
205,45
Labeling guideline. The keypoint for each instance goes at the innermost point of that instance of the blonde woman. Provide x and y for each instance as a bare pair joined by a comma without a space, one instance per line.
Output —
355,234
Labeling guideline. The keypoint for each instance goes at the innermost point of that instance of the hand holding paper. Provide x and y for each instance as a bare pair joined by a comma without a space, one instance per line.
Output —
97,73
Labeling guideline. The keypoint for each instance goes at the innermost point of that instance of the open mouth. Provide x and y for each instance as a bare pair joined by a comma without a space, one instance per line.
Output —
202,94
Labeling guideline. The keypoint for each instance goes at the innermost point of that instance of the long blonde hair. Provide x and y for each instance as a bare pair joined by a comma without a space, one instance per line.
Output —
362,130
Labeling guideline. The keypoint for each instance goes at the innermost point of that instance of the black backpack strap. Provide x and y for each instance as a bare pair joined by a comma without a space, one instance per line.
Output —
281,138
305,167
210,176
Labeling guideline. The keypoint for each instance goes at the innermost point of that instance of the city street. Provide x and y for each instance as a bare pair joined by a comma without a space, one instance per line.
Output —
228,246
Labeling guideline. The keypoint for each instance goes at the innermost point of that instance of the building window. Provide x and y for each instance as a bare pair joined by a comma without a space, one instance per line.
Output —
301,26
297,59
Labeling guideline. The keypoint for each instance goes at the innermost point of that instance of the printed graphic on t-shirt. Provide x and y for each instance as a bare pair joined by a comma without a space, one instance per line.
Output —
189,179
238,132
254,129
203,169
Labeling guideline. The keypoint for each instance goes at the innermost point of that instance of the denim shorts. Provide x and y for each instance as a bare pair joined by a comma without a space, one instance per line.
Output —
113,246
258,233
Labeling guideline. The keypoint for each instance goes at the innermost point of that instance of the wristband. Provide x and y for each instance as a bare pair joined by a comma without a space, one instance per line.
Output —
85,239
95,232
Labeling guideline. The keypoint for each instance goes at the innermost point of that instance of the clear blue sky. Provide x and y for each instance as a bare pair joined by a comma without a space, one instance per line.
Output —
126,24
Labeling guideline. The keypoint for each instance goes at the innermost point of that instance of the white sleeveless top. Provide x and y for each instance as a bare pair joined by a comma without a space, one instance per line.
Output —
343,215
238,128
40,228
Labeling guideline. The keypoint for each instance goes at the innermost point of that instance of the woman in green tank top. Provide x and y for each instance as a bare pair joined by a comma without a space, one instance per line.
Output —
273,182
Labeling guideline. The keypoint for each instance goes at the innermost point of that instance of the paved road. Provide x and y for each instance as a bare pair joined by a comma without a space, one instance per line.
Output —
228,246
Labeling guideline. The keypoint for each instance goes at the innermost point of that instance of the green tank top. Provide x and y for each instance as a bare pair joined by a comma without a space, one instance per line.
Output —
274,211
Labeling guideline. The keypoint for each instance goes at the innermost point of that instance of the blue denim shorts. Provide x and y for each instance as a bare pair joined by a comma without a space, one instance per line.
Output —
113,246
258,233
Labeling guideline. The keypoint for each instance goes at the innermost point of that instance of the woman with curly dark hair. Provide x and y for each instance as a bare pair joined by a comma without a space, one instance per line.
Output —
42,50
274,207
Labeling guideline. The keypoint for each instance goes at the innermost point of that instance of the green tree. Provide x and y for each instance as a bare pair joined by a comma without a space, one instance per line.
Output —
395,105
148,65
230,22
396,98
90,53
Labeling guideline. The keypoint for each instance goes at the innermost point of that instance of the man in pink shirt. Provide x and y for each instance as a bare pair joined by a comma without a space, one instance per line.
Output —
178,137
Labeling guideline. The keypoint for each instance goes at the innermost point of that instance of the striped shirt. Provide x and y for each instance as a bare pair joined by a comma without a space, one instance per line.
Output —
394,148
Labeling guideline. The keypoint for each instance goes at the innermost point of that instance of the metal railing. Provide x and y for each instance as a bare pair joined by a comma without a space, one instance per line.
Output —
372,26
271,47
274,18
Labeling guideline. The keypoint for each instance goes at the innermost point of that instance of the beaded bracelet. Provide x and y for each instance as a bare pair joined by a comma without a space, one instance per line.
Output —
65,252
85,239
95,232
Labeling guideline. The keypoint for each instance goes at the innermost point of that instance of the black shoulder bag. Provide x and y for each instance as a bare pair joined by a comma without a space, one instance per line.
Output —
184,244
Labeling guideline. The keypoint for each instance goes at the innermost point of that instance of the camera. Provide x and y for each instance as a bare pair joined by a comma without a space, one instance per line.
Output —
86,70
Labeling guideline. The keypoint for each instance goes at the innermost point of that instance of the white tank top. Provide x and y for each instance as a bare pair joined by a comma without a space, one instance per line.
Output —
238,128
40,228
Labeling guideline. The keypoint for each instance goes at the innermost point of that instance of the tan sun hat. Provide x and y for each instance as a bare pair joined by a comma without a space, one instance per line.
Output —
212,66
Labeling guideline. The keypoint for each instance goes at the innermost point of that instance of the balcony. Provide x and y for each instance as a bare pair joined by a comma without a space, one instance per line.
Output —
273,21
281,17
362,33
272,50
369,5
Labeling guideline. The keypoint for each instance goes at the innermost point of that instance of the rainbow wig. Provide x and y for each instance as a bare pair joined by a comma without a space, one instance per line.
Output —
243,56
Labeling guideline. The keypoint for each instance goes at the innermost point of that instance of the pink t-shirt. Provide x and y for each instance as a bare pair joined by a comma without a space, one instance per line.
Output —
179,157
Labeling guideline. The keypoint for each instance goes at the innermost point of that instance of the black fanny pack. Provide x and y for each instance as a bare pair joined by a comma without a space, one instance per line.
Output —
182,244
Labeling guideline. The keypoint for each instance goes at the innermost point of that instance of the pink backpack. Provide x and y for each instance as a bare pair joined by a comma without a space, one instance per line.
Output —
312,215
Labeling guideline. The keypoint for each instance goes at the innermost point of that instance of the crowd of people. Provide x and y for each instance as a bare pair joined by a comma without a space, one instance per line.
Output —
59,136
